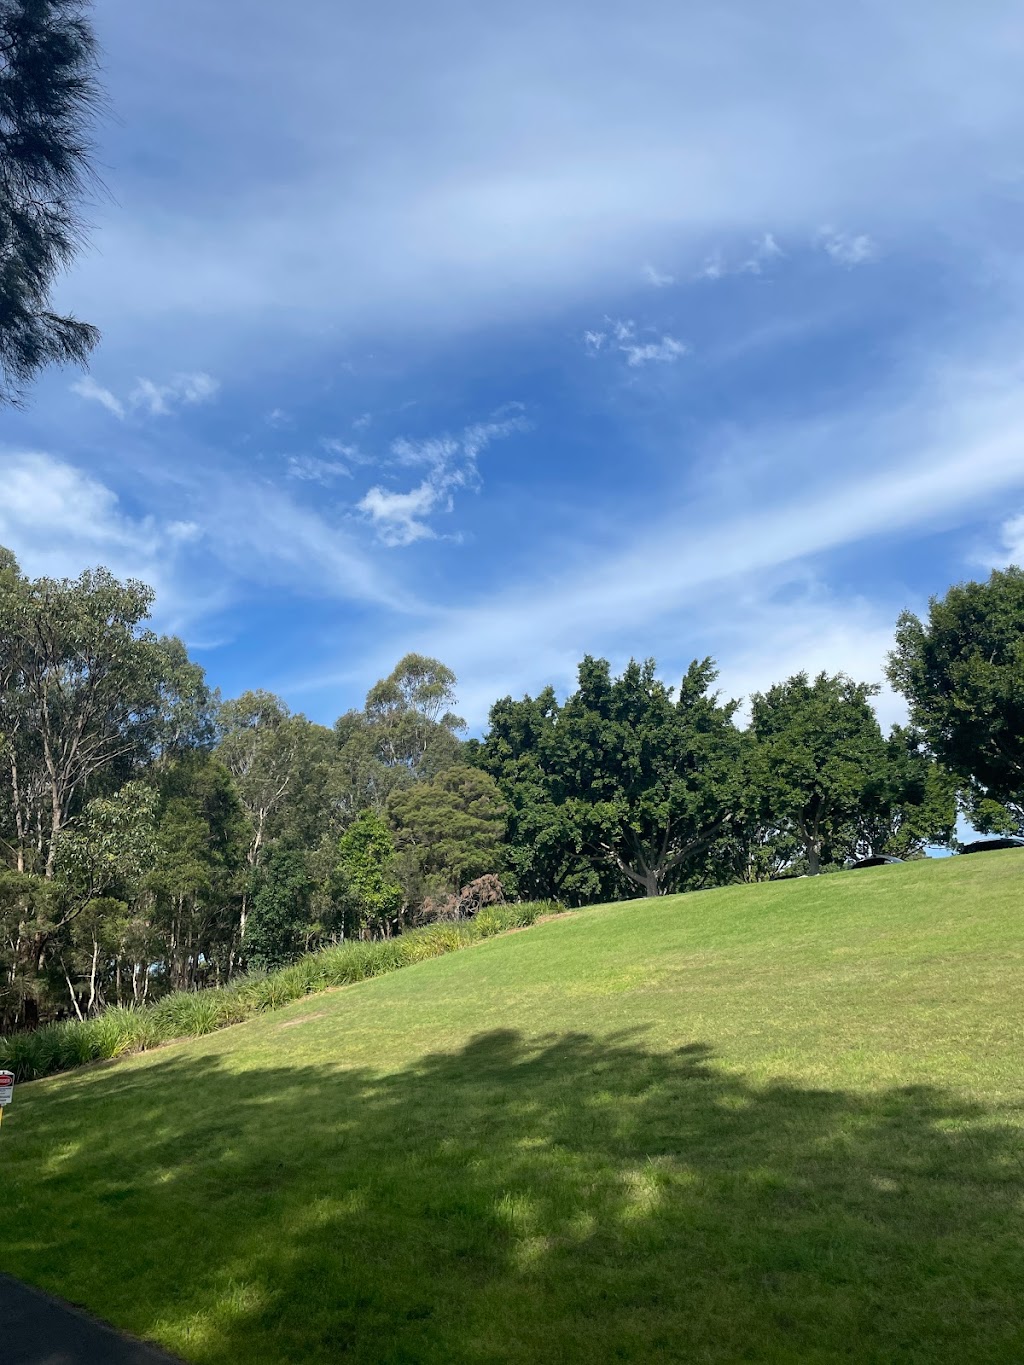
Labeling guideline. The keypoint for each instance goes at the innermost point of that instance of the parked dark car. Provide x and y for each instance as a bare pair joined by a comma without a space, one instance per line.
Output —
876,860
987,845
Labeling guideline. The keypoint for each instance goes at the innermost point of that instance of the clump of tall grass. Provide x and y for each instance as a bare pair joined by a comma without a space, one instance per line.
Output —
190,1014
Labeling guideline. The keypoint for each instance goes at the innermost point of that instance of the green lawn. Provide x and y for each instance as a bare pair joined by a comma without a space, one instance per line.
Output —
773,1123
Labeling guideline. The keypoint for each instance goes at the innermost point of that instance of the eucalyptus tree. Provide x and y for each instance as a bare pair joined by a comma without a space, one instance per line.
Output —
259,748
82,698
410,716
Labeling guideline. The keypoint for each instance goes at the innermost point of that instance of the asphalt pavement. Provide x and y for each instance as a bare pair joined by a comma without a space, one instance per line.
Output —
36,1329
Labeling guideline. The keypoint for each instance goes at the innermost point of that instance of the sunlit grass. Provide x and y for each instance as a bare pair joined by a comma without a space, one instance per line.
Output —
777,1123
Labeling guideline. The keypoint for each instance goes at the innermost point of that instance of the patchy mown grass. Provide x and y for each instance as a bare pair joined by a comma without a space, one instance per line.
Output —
777,1123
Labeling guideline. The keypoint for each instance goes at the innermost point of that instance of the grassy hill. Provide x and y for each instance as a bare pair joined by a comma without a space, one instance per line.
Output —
773,1123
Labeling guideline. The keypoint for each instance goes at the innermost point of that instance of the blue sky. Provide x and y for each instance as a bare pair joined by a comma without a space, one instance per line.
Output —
512,333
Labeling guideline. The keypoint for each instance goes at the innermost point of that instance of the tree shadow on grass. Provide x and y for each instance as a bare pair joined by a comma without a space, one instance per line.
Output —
552,1199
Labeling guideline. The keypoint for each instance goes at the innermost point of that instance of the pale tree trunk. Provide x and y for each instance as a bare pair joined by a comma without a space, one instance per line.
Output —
56,804
55,824
92,974
19,815
71,992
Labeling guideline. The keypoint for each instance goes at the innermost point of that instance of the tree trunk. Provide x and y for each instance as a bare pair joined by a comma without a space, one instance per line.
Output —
71,992
92,975
19,818
55,824
813,860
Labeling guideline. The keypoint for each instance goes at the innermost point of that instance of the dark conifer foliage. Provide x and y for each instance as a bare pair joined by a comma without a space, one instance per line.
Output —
49,96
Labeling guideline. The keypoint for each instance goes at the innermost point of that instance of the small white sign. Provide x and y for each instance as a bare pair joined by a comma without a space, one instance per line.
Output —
6,1087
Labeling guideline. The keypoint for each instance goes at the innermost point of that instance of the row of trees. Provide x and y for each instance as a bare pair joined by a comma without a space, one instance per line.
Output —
155,836
631,786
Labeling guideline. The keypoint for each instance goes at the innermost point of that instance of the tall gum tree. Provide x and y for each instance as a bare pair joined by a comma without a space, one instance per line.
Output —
80,697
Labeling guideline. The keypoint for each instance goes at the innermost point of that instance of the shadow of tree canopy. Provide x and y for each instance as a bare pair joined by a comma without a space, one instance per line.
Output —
551,1199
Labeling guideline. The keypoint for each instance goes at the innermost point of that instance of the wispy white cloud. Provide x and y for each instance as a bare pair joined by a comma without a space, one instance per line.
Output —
1010,549
184,532
666,350
766,249
314,469
58,520
399,518
451,463
49,503
761,252
439,452
157,400
714,267
88,389
658,278
622,336
846,248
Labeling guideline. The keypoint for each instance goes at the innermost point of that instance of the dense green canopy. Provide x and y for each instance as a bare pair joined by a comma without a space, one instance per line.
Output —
962,671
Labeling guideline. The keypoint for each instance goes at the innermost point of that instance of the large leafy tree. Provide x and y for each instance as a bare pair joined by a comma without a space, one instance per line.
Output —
655,774
101,859
962,671
822,761
449,830
48,96
543,854
918,805
630,775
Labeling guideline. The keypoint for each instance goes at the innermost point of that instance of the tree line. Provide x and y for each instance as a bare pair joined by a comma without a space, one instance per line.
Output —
155,836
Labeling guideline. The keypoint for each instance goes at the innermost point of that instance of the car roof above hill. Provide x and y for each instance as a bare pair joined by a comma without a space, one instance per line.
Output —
987,845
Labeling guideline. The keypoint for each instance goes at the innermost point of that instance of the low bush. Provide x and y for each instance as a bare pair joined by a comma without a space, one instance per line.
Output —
190,1014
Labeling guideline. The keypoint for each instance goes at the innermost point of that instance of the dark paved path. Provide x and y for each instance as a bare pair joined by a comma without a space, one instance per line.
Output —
38,1330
